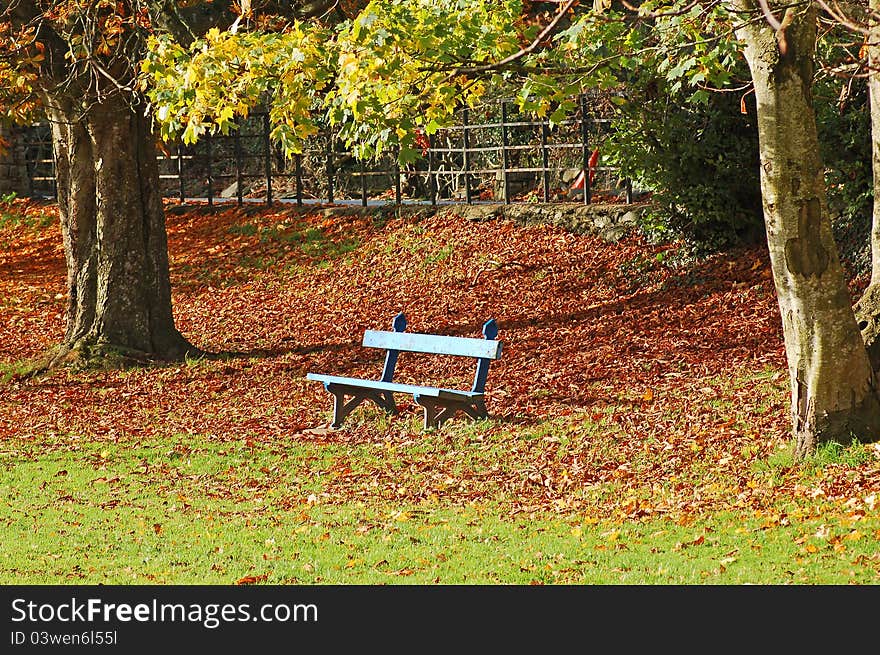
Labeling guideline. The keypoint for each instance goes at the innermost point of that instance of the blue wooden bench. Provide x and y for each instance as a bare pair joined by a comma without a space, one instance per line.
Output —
439,404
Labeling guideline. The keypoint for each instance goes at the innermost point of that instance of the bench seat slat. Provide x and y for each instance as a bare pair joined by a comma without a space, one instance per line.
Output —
397,387
433,344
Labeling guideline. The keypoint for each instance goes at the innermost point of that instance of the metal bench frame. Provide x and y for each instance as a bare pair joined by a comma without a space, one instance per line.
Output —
439,404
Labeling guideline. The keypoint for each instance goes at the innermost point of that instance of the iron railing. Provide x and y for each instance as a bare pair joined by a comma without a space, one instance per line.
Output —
492,154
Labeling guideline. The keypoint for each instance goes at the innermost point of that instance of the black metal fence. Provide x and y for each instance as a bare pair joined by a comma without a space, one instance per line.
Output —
492,154
39,161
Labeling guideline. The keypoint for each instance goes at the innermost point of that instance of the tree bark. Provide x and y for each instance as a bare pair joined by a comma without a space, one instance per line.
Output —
113,226
111,211
868,307
873,51
833,387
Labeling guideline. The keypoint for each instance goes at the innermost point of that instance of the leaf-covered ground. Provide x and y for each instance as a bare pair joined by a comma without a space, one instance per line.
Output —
628,369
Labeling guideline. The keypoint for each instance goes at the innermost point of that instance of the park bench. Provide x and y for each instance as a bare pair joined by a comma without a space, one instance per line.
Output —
439,404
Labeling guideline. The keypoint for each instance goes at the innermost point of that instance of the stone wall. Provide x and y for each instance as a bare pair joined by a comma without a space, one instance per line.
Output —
13,170
608,221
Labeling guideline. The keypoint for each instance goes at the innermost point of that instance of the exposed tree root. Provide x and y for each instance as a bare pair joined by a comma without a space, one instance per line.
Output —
90,355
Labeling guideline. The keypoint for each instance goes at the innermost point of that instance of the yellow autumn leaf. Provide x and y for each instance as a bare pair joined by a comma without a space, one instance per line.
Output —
611,535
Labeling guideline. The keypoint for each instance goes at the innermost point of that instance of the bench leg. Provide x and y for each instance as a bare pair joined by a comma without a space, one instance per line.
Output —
342,408
438,411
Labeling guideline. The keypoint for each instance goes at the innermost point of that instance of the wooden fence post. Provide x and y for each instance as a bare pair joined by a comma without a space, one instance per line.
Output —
331,173
397,190
181,180
363,172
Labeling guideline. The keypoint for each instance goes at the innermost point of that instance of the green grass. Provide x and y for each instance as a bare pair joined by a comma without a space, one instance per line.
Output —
190,509
689,488
10,370
312,241
9,217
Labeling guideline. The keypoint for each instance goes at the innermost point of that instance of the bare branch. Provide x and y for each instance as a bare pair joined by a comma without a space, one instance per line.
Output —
768,14
842,19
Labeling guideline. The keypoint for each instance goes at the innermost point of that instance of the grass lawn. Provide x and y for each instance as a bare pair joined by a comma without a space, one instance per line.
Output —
638,430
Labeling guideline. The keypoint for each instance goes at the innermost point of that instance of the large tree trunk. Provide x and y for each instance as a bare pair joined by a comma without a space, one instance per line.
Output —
113,225
112,217
833,388
873,50
868,307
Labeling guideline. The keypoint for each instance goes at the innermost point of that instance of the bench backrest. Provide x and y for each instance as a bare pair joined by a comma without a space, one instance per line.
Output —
483,350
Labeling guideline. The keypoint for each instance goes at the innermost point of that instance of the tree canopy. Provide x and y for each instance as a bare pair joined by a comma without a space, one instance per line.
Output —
404,65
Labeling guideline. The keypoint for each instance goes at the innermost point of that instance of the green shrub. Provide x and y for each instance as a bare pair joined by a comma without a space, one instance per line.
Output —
701,162
844,125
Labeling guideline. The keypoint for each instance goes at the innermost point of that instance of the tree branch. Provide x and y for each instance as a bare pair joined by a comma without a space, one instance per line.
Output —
498,65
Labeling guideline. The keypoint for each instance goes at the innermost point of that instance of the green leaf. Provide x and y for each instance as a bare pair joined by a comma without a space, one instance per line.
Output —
408,155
